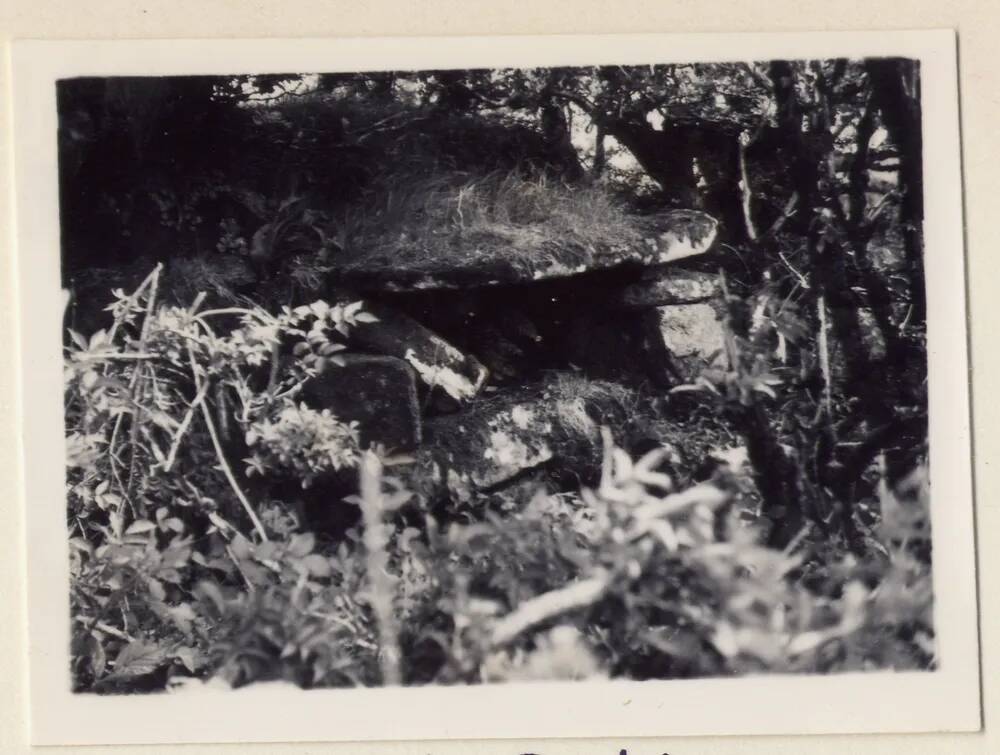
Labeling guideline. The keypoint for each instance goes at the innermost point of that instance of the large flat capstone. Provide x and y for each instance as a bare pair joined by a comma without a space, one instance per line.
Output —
518,255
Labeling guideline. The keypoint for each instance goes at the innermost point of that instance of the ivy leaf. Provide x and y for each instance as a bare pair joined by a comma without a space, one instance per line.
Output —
78,339
317,565
183,616
175,524
256,575
319,308
266,551
192,658
139,526
241,547
98,658
764,388
302,545
331,348
97,340
156,590
210,592
138,658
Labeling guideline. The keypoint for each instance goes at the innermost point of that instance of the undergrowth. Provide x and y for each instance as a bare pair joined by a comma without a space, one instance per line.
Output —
179,576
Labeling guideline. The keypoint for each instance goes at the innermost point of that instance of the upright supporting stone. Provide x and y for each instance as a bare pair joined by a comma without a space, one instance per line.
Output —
436,362
668,285
693,334
379,393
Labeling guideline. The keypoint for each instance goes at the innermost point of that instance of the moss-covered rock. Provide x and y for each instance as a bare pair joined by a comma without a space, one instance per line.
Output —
693,334
377,392
553,424
498,253
669,285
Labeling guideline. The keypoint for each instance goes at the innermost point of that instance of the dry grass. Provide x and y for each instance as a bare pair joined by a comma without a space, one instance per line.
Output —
431,222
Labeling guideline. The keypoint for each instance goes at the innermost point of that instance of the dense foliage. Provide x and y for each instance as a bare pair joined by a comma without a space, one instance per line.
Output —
214,207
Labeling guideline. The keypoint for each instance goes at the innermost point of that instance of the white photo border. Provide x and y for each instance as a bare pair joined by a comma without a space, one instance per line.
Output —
947,699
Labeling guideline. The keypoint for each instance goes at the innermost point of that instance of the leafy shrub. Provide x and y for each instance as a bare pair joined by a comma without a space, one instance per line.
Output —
303,440
177,574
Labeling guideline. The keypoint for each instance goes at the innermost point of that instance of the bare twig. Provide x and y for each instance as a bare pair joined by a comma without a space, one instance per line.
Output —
796,541
549,605
787,213
196,304
800,276
824,355
111,355
906,320
746,192
220,454
108,629
135,388
135,297
183,427
705,494
233,311
881,206
239,568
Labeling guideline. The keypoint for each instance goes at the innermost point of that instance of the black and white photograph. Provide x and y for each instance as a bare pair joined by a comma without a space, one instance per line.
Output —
478,377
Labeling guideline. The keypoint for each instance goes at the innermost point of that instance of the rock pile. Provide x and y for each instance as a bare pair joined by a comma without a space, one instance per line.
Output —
488,366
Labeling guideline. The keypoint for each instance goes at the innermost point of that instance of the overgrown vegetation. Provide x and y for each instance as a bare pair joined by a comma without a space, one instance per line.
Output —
770,513
529,223
176,574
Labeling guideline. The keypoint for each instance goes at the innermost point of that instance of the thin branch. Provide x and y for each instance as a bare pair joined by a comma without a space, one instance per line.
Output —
875,212
220,454
704,494
115,460
800,276
110,630
134,296
85,356
548,605
134,387
232,311
824,355
906,320
239,568
746,192
387,129
786,215
183,427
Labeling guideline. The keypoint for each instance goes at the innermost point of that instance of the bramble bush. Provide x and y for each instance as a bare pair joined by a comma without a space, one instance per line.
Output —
181,574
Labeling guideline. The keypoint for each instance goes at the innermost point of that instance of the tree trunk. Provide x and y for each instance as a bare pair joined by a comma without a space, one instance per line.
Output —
600,156
896,93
